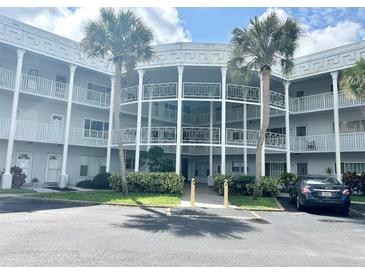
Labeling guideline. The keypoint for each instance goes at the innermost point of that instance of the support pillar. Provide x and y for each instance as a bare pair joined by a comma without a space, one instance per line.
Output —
180,70
334,75
7,177
287,127
139,120
261,116
64,177
245,169
223,121
110,129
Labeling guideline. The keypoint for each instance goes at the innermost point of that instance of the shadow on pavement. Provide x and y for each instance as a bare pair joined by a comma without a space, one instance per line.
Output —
19,204
186,225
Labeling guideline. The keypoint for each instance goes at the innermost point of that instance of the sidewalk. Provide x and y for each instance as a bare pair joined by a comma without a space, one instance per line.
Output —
205,197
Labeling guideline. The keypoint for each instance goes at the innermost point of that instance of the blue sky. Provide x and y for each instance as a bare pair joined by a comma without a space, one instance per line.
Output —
324,27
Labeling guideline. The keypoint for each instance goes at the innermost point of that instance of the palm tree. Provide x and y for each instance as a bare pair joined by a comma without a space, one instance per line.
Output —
352,82
124,39
259,46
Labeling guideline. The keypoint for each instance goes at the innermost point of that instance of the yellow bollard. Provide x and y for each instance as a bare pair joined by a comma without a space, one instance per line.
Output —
192,196
225,193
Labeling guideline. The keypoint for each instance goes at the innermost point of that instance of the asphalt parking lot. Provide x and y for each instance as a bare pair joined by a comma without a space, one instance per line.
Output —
40,233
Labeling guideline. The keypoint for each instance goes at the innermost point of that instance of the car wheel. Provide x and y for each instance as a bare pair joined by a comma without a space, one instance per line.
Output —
299,206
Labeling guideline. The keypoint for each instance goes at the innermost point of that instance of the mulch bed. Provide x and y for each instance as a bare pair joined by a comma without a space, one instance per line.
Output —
61,189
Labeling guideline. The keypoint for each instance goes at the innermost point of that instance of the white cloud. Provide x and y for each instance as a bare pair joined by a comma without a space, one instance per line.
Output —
164,21
318,39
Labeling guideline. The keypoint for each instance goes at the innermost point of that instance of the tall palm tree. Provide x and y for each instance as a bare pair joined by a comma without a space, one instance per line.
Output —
124,39
259,46
352,82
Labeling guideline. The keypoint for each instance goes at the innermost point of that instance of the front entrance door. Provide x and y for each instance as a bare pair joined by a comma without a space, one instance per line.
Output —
201,171
185,168
53,168
24,161
56,128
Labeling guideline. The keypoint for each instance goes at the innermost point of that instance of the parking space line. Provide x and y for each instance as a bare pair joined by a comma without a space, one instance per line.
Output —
256,215
358,212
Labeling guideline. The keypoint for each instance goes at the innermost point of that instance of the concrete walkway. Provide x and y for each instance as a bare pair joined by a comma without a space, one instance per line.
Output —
205,197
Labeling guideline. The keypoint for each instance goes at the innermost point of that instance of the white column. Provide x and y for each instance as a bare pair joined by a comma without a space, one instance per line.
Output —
149,125
110,129
334,75
245,139
180,70
211,140
7,177
287,127
64,177
261,116
139,120
223,120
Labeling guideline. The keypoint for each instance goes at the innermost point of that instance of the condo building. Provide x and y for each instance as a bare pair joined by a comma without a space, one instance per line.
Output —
56,119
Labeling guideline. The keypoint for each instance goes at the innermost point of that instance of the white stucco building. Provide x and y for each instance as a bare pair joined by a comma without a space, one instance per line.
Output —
55,116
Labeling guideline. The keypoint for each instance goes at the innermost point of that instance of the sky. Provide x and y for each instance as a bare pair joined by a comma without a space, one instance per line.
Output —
323,27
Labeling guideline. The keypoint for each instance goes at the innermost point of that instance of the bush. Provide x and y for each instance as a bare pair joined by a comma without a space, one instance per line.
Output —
100,181
18,177
150,182
236,184
287,178
269,186
354,182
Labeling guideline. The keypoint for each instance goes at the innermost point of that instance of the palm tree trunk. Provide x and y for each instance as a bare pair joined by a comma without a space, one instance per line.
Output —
265,78
117,110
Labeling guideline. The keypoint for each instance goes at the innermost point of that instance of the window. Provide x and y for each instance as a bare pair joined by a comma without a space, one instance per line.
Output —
83,170
302,168
96,129
61,86
280,130
196,173
129,163
274,169
32,79
97,87
187,108
236,166
92,96
300,93
354,167
301,131
352,126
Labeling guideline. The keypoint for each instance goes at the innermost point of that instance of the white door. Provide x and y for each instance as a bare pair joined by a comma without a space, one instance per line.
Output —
53,168
56,127
24,161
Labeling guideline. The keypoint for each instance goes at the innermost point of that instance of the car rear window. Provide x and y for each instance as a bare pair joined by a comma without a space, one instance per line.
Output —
324,181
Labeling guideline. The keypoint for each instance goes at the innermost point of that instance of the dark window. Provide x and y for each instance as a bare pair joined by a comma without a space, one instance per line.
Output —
302,169
102,169
129,163
300,93
301,131
83,170
196,173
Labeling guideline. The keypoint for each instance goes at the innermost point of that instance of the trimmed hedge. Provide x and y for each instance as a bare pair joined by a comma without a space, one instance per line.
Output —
244,185
236,184
100,181
150,182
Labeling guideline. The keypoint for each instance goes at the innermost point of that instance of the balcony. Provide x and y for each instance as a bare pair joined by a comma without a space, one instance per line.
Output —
159,91
159,135
323,101
236,136
201,135
201,90
127,135
243,93
7,79
326,143
129,94
90,97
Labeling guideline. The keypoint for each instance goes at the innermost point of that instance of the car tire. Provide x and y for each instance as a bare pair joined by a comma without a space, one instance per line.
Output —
298,205
345,210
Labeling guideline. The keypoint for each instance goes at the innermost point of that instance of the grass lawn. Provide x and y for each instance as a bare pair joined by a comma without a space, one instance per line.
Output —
358,198
16,191
247,202
110,196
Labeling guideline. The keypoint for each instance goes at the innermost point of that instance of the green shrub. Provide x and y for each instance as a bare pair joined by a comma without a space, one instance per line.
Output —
100,181
354,182
150,182
287,178
269,186
236,184
18,177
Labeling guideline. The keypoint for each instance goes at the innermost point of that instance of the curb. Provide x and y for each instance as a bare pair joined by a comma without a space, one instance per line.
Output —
86,202
357,202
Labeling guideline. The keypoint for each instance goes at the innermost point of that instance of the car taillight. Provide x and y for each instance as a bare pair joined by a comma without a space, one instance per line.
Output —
305,189
345,192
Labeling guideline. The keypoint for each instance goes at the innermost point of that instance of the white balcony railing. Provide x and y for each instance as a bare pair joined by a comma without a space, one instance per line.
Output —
277,99
159,91
243,93
7,79
91,97
201,135
322,101
235,136
202,90
127,135
163,113
129,94
159,135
